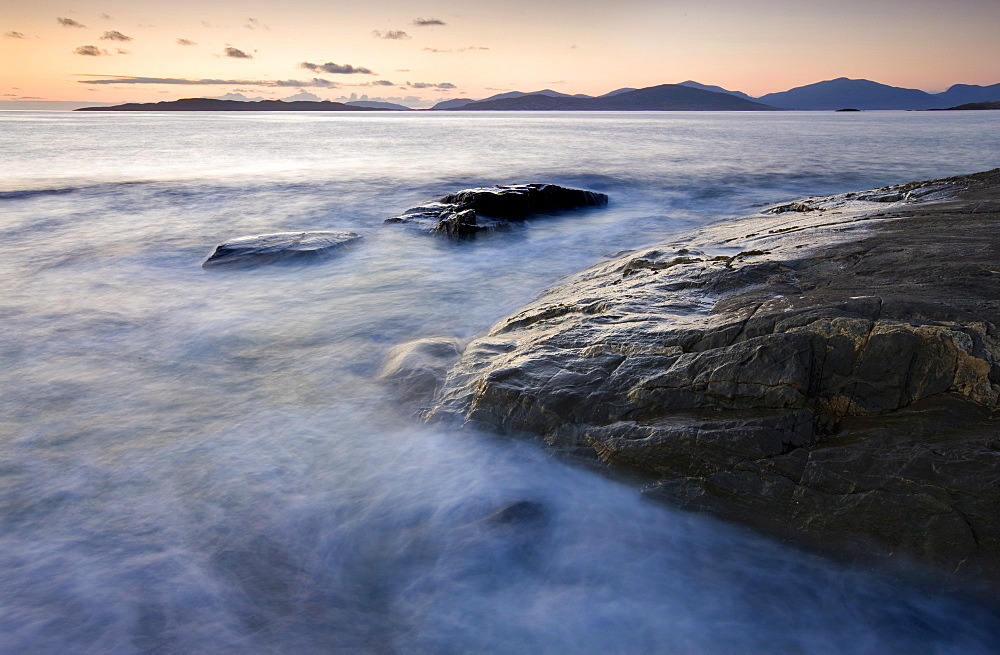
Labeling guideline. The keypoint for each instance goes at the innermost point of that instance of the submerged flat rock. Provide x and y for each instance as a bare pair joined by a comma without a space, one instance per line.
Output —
472,211
281,246
828,370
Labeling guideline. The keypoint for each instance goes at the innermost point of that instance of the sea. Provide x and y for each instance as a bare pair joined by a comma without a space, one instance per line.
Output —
206,461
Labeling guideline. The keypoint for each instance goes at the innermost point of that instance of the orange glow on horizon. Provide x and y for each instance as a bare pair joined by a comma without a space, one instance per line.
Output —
482,49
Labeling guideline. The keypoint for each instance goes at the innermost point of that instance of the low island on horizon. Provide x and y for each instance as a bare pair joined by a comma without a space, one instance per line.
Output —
215,104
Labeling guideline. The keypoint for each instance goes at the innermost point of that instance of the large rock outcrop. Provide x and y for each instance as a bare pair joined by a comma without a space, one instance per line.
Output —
816,370
472,211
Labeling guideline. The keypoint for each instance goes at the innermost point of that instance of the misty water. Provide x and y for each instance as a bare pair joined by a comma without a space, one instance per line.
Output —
205,461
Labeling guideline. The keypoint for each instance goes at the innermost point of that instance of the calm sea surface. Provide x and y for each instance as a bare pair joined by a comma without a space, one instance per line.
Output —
196,461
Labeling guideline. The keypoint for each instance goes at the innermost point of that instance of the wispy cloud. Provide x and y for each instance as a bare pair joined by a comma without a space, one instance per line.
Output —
123,52
254,24
426,22
314,82
15,35
431,85
181,81
105,17
465,49
382,83
185,42
236,53
336,69
398,35
115,35
69,22
90,51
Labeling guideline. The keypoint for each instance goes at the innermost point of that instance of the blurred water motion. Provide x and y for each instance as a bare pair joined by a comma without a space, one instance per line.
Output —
199,461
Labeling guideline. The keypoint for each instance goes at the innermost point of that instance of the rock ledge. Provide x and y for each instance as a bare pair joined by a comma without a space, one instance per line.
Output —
828,370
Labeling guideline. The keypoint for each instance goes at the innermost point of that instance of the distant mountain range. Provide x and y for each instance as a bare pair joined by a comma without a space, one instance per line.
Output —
460,102
840,93
828,95
665,97
865,94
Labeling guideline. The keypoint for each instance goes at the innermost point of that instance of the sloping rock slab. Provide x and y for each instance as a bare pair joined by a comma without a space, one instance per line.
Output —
843,395
475,210
416,368
281,246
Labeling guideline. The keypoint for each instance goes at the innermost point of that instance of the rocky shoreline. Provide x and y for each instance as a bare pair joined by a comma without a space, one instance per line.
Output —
827,370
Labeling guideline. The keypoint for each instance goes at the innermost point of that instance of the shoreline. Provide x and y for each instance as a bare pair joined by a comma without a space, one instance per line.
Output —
827,371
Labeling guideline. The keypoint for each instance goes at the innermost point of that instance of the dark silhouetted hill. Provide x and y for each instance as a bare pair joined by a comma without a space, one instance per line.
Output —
717,89
665,97
961,94
616,92
973,105
460,102
376,104
453,103
844,92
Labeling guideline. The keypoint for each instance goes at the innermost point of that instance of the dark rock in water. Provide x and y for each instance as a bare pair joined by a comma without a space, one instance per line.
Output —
269,248
462,224
520,513
848,398
518,202
474,210
522,527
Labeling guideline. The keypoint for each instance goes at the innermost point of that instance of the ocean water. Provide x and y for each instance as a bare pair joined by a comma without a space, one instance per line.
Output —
204,461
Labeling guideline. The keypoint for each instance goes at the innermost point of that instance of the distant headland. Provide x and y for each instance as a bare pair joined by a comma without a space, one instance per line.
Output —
212,104
973,106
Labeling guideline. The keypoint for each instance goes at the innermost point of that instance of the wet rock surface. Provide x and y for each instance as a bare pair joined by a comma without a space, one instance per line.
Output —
245,252
416,368
472,211
845,396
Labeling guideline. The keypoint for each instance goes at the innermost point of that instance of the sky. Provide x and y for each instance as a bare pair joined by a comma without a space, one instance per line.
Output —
419,52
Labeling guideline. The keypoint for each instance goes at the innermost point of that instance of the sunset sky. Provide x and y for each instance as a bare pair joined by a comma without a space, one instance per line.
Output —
421,52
